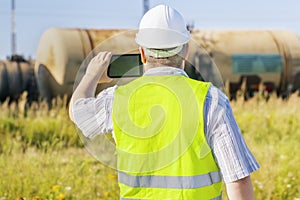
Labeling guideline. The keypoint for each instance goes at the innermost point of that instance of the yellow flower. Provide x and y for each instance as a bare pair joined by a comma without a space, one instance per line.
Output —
61,196
106,194
112,177
55,187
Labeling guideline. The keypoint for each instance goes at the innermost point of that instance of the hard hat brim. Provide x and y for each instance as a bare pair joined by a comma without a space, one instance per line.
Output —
161,38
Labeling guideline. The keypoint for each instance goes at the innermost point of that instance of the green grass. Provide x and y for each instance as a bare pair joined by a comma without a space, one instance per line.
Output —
71,173
272,132
42,157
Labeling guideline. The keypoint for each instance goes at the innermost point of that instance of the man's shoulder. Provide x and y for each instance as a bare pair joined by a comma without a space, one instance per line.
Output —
216,95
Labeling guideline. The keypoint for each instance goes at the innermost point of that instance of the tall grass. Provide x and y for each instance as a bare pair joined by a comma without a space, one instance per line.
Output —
42,157
36,126
272,131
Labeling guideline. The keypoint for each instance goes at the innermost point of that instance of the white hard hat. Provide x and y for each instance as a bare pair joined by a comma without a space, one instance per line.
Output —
162,27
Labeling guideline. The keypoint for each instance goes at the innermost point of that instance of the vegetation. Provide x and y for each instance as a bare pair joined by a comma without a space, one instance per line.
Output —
42,157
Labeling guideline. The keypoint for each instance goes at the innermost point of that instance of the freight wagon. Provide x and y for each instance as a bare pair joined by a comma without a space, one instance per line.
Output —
270,57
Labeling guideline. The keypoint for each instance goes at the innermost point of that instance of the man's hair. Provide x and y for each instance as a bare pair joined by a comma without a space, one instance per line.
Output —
173,61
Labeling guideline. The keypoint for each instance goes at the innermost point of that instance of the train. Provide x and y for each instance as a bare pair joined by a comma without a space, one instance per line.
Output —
17,76
261,56
268,57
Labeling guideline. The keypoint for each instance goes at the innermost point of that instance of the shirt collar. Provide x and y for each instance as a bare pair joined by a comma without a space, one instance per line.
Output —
165,71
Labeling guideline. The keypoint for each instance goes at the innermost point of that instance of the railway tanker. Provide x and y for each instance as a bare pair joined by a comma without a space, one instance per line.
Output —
17,76
270,57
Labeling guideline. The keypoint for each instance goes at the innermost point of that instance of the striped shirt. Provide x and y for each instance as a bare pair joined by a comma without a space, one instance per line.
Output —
94,116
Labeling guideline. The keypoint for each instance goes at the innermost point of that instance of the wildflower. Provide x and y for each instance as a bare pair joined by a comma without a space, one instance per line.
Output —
106,194
55,187
283,157
290,174
259,184
61,196
112,177
68,188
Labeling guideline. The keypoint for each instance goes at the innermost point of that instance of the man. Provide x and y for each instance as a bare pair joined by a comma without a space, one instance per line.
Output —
176,138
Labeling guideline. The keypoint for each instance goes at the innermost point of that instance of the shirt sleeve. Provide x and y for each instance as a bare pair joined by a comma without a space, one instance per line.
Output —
93,115
225,138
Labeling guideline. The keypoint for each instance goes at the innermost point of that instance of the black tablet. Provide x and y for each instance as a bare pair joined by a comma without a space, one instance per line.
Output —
125,65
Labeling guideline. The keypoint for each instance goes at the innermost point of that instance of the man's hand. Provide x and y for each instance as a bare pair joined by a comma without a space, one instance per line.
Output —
96,72
97,68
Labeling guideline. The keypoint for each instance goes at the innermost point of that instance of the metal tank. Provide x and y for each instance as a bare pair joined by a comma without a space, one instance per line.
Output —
267,56
17,76
61,52
271,57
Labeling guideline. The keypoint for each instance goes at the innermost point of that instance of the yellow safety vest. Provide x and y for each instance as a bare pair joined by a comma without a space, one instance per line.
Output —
160,142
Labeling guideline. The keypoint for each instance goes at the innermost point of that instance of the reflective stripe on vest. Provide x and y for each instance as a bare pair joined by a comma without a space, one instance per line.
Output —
176,182
216,198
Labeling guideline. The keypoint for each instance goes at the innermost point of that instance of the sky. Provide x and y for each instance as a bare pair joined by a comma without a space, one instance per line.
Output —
33,17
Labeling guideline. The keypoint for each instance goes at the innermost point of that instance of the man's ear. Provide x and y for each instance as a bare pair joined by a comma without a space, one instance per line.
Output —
186,51
143,57
186,55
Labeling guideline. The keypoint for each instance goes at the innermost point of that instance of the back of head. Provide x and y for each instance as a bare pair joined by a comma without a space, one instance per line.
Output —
162,32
